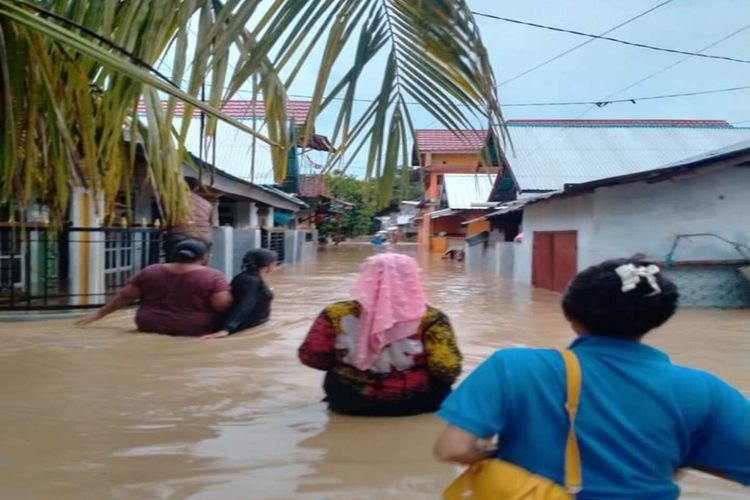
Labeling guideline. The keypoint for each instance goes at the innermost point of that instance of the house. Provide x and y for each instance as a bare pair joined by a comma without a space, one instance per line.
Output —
545,155
322,207
94,256
401,224
548,155
440,153
690,216
463,198
242,157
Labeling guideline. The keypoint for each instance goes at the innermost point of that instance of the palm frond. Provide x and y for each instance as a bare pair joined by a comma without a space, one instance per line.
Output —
73,73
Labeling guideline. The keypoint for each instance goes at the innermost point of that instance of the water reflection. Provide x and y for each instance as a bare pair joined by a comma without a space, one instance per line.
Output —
104,412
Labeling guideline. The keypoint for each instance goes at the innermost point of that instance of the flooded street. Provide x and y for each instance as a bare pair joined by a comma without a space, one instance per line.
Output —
104,412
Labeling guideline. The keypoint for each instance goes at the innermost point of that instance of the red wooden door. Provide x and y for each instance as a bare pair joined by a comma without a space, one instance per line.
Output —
541,260
554,259
564,259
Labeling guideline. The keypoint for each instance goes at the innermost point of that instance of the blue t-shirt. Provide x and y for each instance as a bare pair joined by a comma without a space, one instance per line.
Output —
640,417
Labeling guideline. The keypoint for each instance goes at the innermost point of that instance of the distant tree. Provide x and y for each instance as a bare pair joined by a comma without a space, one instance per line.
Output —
360,220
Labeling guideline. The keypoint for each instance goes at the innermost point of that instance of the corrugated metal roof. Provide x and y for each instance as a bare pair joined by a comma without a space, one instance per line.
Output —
546,157
238,108
734,154
234,152
459,141
464,190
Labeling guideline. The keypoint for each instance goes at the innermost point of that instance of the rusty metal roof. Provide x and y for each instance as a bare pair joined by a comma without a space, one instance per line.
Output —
458,141
239,108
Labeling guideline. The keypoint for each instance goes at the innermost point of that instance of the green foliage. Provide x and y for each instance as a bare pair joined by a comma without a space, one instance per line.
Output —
72,73
364,195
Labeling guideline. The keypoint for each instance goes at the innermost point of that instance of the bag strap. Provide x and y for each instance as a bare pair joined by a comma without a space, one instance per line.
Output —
573,479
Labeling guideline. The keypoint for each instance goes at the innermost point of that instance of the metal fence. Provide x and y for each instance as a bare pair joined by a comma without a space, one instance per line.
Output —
275,240
40,269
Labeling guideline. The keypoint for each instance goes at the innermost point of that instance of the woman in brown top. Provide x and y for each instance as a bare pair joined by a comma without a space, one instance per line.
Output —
179,298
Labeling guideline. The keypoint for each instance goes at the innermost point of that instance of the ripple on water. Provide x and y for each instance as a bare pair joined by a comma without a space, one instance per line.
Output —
102,412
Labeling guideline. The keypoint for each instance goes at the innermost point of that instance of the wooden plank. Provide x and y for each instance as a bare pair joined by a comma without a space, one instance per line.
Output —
565,259
541,260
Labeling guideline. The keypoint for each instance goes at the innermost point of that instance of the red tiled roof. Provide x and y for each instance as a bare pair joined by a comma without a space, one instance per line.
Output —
236,108
459,141
623,123
312,186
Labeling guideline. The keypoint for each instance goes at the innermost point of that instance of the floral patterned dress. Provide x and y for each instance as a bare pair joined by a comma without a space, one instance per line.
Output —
410,376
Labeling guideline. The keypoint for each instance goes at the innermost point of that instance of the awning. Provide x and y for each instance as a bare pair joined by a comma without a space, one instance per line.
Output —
441,213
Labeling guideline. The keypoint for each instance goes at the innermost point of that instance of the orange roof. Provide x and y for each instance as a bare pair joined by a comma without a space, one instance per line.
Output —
245,109
459,141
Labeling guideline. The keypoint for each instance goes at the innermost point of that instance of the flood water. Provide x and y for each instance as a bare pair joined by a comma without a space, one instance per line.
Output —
104,412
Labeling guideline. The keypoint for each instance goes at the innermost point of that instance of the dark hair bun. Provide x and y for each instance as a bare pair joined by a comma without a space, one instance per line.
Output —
189,250
597,299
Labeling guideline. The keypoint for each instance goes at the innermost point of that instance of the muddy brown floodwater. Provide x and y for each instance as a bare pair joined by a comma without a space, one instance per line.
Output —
104,412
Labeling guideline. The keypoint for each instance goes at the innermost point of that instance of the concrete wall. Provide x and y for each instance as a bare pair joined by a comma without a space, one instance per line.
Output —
620,221
504,258
231,244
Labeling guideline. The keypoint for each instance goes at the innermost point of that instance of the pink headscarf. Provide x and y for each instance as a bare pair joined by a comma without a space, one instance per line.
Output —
389,289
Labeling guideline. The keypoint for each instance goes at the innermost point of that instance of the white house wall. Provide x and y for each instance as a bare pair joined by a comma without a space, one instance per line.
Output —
620,221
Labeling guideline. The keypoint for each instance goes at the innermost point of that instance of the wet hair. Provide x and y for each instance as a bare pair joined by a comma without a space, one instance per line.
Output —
192,183
596,301
256,259
187,251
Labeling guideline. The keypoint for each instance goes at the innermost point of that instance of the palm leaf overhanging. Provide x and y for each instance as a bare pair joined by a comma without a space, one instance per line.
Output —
73,72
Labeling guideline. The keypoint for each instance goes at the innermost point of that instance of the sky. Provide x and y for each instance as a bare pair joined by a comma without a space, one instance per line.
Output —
599,70
602,69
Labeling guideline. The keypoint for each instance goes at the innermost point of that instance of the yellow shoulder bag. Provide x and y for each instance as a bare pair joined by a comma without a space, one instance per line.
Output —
493,479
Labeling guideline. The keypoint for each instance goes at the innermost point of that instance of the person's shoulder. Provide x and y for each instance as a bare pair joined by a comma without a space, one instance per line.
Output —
700,380
523,356
153,270
206,272
245,277
338,310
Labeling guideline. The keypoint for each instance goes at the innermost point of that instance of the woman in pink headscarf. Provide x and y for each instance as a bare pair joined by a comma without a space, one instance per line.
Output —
386,352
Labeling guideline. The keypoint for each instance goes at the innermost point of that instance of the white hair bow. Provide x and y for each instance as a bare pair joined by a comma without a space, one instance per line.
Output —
631,276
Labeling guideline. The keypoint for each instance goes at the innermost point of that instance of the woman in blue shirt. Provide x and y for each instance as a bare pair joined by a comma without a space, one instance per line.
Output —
640,419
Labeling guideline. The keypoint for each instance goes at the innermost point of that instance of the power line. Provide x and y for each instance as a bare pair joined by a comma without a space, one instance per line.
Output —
677,63
590,40
600,104
670,66
610,39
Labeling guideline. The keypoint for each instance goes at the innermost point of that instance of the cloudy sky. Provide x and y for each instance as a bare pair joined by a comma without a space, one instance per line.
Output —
600,70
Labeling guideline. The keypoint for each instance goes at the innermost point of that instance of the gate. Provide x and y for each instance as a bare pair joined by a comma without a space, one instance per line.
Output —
39,268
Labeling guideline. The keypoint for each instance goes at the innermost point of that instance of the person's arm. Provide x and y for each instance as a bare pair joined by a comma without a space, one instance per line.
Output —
474,413
221,301
722,447
459,446
318,349
441,351
124,298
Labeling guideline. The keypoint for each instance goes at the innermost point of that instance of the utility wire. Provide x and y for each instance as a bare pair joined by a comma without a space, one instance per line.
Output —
599,104
677,63
590,40
610,39
666,68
